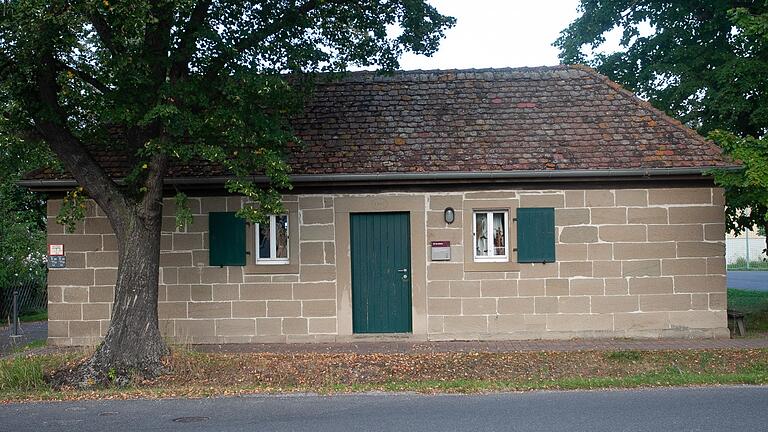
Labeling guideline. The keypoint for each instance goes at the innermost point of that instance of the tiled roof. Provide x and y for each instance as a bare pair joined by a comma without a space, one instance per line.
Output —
495,120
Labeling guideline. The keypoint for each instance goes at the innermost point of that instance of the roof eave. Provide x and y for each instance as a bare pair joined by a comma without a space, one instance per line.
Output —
629,174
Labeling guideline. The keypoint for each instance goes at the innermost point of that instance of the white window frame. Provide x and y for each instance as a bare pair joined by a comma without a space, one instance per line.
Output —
491,257
272,260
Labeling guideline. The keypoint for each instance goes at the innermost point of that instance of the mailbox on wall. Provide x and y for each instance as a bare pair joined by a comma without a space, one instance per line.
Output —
441,250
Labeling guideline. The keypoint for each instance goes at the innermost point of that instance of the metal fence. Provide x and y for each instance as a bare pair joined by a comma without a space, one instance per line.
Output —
33,297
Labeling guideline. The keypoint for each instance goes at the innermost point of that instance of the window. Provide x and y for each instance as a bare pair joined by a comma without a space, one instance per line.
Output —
272,240
490,235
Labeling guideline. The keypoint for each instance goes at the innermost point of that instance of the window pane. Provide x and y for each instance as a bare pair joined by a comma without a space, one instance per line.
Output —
481,234
281,232
499,233
263,239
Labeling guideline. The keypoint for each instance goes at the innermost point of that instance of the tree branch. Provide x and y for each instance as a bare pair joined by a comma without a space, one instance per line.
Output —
180,66
51,123
218,63
104,31
98,85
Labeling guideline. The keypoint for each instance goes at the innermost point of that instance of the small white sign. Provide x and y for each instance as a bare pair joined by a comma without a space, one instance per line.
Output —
55,249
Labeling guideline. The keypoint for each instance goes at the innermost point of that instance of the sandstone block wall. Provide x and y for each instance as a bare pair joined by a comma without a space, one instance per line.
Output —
637,263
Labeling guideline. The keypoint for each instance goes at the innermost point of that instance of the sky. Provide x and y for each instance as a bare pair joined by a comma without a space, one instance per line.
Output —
499,33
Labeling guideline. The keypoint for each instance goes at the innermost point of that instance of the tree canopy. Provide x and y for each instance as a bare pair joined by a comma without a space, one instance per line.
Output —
172,81
703,62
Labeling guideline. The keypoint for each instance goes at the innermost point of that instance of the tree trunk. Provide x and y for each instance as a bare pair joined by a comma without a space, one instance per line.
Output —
133,344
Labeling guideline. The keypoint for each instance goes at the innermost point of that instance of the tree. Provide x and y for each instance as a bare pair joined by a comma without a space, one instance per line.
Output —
179,80
705,63
22,215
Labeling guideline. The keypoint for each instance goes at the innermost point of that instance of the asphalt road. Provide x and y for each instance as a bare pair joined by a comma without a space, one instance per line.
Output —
30,331
751,280
682,409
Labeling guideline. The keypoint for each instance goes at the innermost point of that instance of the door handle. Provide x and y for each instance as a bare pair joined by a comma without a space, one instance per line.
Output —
403,270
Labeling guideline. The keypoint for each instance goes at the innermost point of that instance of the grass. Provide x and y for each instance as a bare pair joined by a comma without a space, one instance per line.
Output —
41,315
754,305
741,265
194,374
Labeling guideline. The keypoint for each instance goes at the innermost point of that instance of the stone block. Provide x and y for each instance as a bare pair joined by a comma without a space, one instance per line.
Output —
557,287
576,268
641,321
55,294
639,268
545,305
466,324
210,275
574,198
322,325
506,323
269,326
600,251
680,196
444,306
249,309
438,289
84,329
445,271
675,232
283,308
105,276
632,197
542,200
684,266
178,292
65,311
201,292
465,288
478,306
189,275
77,242
613,304
317,217
651,215
698,319
312,253
317,273
213,204
295,326
317,233
580,287
498,288
623,233
578,234
440,202
650,285
75,277
696,214
616,286
700,249
235,327
266,291
210,310
225,292
571,252
315,290
608,215
599,198
665,302
190,329
714,232
58,329
579,322
700,284
578,216
579,304
716,265
95,311
171,310
519,305
318,308
537,270
633,251
718,301
311,202
606,268
75,294
187,241
530,287
330,253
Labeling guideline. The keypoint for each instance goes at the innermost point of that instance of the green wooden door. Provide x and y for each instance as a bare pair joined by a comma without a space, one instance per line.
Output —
381,272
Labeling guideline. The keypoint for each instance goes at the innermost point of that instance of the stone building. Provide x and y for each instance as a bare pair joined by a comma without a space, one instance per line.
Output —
480,204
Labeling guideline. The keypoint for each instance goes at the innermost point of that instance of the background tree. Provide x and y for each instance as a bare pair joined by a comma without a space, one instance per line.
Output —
703,62
179,80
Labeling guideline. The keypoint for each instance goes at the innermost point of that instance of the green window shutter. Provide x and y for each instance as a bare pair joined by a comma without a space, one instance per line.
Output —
226,237
535,235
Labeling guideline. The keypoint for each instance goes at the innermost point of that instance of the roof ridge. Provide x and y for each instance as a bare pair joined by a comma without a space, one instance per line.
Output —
632,97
